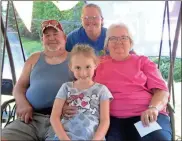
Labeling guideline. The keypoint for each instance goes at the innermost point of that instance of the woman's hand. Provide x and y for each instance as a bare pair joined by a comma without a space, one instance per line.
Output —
69,111
148,116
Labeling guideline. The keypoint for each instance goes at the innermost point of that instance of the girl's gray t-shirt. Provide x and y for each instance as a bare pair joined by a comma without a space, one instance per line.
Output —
85,123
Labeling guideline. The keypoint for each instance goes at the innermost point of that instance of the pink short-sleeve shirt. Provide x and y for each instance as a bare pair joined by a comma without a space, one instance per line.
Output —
131,83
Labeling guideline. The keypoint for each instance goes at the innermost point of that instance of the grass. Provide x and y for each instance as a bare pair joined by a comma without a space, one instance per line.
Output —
31,46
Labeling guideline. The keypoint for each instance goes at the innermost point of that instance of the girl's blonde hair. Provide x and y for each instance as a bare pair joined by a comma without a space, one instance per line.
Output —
83,49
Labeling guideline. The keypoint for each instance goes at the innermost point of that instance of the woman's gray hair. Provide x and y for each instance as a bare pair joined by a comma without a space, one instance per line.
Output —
117,25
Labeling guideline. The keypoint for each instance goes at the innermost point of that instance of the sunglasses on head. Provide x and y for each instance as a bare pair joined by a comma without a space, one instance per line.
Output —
52,23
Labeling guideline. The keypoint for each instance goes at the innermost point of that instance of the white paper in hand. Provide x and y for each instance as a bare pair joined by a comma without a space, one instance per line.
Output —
148,129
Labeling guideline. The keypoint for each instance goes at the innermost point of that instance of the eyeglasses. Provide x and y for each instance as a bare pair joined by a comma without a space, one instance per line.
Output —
53,23
114,39
94,18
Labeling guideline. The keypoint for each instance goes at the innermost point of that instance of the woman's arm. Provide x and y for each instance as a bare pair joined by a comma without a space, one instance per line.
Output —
157,103
157,84
104,120
159,99
55,119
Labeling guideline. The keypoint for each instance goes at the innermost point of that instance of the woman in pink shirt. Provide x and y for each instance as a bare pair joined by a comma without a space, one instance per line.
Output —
139,91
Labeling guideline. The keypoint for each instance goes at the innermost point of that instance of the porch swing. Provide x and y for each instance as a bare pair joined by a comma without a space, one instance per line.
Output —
7,84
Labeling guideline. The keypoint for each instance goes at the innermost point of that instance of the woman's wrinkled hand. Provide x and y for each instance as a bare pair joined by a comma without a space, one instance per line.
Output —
148,116
24,111
69,111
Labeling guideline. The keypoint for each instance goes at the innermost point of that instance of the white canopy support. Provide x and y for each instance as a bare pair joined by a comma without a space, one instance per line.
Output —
65,5
24,9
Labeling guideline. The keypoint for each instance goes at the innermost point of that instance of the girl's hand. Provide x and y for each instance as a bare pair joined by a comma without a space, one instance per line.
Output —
148,116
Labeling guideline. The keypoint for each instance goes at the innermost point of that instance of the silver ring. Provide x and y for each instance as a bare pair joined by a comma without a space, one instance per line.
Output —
20,119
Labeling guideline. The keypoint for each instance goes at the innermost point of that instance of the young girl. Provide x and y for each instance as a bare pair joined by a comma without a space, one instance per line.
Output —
92,99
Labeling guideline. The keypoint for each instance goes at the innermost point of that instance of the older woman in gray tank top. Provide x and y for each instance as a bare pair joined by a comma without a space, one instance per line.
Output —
42,76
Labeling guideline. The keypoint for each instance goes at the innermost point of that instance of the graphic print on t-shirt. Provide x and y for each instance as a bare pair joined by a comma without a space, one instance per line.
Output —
83,102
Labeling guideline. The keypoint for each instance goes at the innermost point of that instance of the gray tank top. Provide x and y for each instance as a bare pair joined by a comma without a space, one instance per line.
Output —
45,81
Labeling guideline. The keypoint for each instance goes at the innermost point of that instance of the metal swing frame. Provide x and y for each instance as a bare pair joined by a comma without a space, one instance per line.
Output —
11,112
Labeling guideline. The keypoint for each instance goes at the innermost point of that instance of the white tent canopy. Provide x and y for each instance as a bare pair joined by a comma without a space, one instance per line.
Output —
144,19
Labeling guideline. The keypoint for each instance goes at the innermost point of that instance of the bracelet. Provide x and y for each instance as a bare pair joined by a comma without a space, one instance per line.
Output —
151,106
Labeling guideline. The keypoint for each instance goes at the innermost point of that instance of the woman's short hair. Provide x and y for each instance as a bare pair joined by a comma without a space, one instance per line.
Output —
117,25
93,5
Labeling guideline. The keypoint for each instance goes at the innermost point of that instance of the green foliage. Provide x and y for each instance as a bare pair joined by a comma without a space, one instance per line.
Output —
165,66
177,70
31,46
44,10
47,10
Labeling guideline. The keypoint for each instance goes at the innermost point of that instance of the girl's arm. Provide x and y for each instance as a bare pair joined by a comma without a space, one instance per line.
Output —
104,120
56,121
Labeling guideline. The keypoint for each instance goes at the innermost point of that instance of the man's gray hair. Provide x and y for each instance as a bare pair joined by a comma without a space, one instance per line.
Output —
117,25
